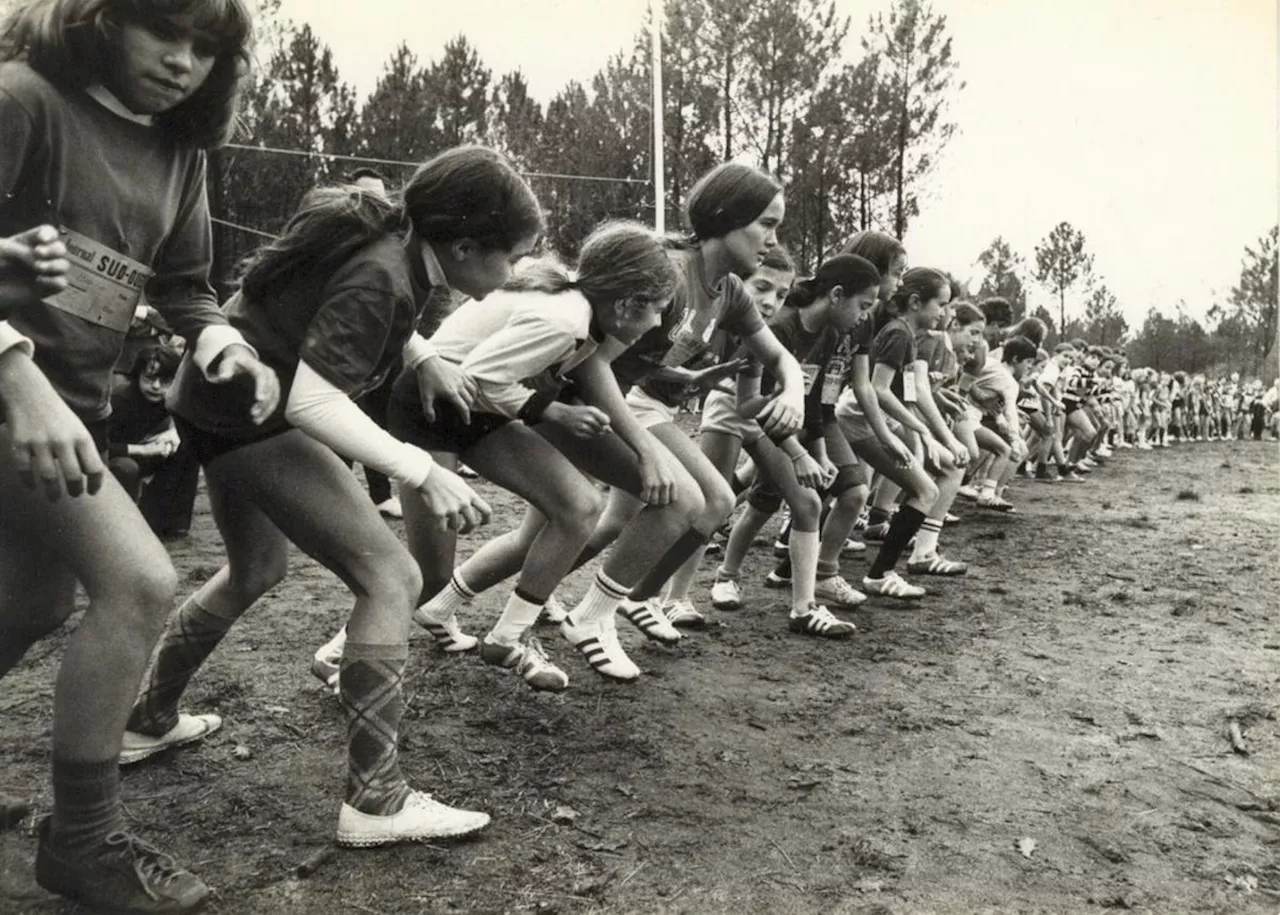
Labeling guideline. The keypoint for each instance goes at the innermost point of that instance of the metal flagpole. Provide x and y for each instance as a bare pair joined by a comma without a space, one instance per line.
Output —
659,165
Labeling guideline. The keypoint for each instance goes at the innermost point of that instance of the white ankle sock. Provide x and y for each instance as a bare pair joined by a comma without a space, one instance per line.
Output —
452,598
600,602
517,618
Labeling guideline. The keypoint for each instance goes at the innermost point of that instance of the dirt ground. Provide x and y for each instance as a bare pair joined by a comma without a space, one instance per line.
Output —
1048,735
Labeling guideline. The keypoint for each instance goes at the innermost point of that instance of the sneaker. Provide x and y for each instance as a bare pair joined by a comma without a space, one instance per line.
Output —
189,729
892,585
853,546
935,565
1070,476
1086,465
861,523
835,590
995,503
968,492
126,875
553,611
422,817
647,616
598,644
448,634
777,581
328,659
1045,475
1104,451
684,614
529,660
875,533
1144,446
820,622
781,548
725,595
467,473
949,518
391,508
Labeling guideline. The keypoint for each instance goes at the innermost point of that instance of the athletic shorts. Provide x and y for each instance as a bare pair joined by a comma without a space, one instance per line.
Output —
855,425
649,411
207,446
448,432
720,414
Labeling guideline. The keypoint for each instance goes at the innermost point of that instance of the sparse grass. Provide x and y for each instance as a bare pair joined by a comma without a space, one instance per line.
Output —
1141,522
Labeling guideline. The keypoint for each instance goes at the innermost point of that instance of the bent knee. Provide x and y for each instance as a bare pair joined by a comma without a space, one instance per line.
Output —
718,501
806,510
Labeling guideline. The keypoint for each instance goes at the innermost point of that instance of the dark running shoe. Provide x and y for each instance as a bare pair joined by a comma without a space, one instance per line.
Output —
126,876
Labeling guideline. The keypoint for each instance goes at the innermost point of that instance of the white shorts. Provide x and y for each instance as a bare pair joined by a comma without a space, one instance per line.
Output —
720,414
649,411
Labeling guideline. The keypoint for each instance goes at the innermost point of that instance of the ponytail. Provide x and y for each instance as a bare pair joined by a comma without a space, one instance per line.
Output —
852,273
331,225
923,282
618,261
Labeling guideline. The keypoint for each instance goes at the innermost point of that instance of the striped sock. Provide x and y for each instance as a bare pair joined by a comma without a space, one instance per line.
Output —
518,617
452,598
86,804
927,539
600,601
373,700
191,636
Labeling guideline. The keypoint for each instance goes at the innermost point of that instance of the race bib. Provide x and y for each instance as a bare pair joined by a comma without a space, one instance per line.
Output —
103,285
908,387
810,375
833,383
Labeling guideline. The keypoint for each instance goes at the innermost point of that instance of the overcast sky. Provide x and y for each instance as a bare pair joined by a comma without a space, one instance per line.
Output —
1150,125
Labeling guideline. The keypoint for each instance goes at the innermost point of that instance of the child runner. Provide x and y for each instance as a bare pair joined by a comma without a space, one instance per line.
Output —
882,364
331,305
819,313
106,110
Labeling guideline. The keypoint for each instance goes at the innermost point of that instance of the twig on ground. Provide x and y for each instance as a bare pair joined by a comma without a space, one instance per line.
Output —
627,879
781,849
315,861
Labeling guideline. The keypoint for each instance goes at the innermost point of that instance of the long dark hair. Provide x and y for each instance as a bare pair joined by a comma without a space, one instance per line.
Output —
728,197
877,247
924,282
853,274
71,42
468,192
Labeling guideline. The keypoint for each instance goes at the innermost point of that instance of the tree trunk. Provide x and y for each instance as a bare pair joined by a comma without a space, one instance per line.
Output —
862,201
728,105
1062,311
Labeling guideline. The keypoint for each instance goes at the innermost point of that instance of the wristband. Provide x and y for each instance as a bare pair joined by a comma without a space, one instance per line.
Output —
536,405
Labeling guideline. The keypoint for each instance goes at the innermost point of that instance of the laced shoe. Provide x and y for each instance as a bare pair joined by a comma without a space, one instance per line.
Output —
838,592
528,659
892,585
949,518
125,875
421,818
725,595
995,503
863,517
598,644
684,614
968,492
819,621
935,565
647,616
467,473
1070,476
853,546
553,611
189,729
1104,451
447,634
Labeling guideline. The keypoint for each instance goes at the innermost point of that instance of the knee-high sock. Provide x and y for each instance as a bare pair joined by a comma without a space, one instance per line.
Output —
191,636
901,529
651,584
372,695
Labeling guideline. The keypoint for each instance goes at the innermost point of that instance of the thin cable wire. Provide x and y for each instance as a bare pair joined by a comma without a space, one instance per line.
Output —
376,161
236,225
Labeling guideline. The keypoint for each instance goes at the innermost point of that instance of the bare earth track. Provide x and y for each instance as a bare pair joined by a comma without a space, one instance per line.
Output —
1075,690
